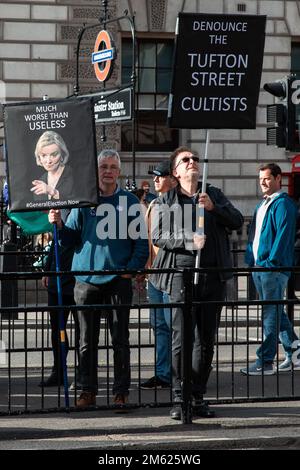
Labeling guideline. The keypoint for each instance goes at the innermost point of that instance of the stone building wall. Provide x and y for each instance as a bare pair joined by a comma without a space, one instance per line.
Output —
37,57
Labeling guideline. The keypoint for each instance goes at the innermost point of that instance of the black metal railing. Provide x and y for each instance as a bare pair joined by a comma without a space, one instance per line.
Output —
26,352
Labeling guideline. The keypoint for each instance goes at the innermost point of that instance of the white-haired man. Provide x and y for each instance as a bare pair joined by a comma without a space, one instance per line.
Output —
104,238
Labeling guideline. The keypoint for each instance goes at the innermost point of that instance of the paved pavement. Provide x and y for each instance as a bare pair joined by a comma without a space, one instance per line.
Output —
244,426
269,425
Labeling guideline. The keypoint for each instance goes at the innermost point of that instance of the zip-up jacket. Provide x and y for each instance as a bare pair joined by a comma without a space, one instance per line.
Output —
277,237
225,217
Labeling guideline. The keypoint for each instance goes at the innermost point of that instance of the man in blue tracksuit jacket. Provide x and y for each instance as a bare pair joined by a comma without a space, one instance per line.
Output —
271,245
111,236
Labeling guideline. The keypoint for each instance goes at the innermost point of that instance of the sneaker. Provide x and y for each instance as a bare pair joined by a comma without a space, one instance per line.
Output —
255,369
296,356
75,386
121,400
176,411
154,382
288,365
285,366
86,399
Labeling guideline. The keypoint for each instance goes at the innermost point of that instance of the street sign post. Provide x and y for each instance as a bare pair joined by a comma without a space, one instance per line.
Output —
113,106
103,56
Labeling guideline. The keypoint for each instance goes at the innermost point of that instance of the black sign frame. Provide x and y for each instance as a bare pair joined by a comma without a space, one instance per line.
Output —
68,125
217,71
116,105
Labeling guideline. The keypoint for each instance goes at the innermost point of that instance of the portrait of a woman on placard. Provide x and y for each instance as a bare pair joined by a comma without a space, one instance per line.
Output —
57,181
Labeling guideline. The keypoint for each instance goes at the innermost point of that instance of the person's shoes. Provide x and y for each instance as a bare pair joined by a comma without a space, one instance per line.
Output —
86,399
176,411
285,366
296,365
154,383
202,409
53,381
75,386
120,401
296,355
255,369
288,365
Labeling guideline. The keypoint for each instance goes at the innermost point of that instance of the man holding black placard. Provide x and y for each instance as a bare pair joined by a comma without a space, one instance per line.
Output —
105,238
174,231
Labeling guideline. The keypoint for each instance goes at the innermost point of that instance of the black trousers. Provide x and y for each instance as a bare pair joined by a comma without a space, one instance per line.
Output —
205,321
117,291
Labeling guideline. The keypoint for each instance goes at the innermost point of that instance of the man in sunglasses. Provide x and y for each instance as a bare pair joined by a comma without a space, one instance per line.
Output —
174,231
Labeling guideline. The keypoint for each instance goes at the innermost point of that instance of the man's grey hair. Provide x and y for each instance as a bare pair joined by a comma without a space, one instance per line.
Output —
107,153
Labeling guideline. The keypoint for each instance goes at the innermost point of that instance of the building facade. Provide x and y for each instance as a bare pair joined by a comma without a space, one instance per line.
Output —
38,57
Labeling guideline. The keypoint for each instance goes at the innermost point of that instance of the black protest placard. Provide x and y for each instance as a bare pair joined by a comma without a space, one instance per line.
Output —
217,71
51,154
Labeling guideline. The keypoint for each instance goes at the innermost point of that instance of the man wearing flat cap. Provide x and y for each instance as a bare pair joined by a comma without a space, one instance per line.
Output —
160,318
162,169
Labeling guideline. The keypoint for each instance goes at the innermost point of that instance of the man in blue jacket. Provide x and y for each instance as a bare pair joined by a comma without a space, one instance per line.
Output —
107,237
271,245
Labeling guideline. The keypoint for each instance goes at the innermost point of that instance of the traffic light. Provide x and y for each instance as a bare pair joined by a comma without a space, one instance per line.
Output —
284,132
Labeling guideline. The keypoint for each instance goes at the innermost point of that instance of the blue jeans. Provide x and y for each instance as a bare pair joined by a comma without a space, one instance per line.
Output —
160,320
272,285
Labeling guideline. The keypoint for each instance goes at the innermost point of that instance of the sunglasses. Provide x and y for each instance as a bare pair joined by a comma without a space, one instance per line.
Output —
187,160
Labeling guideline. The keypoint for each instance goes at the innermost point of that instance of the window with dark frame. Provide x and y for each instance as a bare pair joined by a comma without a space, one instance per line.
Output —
154,68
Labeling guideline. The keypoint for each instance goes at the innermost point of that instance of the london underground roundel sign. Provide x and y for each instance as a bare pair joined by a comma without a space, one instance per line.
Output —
103,55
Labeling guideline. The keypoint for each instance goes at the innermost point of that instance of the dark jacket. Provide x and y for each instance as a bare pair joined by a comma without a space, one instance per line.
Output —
225,217
65,185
